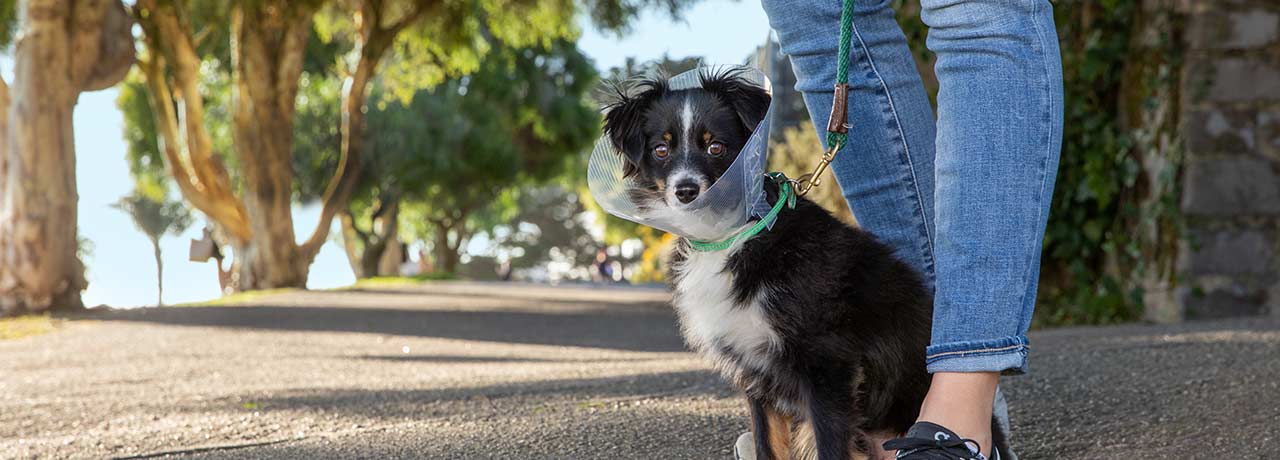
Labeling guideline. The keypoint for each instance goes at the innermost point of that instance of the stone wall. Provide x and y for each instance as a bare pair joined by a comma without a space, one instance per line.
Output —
1230,262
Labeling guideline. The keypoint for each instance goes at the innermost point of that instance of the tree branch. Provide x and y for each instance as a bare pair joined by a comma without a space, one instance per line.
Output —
201,177
372,45
420,9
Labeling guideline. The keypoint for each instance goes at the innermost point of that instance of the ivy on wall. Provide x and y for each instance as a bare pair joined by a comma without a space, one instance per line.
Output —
1114,224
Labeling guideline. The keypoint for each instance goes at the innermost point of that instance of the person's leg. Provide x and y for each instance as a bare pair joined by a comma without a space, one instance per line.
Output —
886,170
998,142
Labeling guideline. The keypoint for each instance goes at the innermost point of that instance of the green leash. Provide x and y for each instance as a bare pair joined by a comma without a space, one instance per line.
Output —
786,197
837,134
837,124
837,128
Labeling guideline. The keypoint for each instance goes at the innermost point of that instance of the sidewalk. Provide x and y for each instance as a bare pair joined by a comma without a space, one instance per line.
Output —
468,370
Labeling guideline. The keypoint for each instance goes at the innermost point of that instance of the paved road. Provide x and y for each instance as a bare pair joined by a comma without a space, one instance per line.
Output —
474,371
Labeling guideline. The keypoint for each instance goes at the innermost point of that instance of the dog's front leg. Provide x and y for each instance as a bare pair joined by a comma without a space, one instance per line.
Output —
771,431
831,415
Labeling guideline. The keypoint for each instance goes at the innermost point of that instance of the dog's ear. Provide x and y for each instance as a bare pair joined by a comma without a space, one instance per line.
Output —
624,118
748,100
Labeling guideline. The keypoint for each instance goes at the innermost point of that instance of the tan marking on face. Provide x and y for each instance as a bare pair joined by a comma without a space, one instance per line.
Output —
666,137
706,138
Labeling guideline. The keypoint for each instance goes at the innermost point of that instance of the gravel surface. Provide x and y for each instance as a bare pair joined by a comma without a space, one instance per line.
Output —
477,370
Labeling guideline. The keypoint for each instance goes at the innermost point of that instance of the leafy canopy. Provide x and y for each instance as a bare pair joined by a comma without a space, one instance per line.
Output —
155,216
522,116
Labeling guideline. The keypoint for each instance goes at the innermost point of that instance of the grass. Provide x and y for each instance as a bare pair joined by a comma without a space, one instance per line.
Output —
238,298
250,297
383,281
27,326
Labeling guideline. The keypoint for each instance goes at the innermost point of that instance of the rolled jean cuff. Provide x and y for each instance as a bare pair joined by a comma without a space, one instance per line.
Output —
1006,355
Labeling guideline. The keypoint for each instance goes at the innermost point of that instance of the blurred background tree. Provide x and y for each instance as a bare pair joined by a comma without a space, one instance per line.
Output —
517,121
248,195
155,216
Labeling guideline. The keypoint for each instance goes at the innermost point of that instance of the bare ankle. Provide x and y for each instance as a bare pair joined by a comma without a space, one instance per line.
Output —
962,403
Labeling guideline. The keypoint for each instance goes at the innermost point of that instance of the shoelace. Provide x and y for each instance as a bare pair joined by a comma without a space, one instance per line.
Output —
939,446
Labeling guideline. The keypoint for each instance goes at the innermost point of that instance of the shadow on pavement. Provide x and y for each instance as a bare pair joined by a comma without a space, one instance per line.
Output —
642,433
447,359
650,330
582,392
504,297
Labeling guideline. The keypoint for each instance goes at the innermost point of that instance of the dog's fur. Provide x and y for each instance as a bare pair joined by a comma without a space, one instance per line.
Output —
821,327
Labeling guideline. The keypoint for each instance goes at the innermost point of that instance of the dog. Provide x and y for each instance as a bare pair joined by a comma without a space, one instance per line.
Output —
819,325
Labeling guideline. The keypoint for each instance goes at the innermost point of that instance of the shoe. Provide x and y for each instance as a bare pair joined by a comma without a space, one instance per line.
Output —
745,447
929,441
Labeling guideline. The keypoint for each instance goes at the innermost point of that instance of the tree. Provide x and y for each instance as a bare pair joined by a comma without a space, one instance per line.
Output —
64,47
518,120
436,41
155,217
547,227
266,64
433,40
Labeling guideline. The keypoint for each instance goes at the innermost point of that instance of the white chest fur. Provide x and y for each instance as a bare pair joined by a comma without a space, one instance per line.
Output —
712,321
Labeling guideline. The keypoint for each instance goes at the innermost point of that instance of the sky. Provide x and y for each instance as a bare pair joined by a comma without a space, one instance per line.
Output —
121,271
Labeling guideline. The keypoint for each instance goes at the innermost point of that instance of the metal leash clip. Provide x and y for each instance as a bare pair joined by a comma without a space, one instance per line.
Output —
837,130
813,179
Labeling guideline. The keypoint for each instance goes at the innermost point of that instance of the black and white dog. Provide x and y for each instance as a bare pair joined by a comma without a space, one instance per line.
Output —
817,322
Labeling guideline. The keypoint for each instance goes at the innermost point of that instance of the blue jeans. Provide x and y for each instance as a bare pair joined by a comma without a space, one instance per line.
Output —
964,199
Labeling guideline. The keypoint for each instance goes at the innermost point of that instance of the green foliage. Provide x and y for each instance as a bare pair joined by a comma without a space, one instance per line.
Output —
547,227
453,38
1094,198
1094,258
155,215
146,163
8,21
456,152
317,141
317,113
614,15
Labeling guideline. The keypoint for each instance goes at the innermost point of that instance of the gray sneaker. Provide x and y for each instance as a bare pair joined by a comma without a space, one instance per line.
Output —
745,447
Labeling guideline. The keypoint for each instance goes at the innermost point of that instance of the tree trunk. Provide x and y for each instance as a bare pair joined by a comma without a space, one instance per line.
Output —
268,47
270,39
388,227
392,258
64,47
155,245
447,255
368,252
352,242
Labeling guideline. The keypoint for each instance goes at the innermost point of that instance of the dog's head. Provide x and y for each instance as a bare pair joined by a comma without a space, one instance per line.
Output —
676,143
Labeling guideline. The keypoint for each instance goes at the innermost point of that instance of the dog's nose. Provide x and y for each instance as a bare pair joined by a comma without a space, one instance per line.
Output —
686,191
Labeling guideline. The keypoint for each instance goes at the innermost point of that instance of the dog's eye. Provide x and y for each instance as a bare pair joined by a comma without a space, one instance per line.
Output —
661,151
715,149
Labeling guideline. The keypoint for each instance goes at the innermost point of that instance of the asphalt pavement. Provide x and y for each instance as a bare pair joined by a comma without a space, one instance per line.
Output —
509,371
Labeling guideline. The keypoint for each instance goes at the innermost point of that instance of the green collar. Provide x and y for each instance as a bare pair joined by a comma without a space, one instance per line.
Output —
786,197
